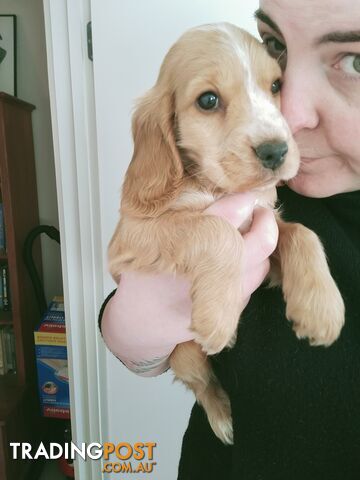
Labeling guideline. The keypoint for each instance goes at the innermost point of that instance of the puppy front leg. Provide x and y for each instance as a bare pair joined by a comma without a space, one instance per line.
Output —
313,301
212,257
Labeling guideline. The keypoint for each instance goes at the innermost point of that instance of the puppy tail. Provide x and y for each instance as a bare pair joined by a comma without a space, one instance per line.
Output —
191,365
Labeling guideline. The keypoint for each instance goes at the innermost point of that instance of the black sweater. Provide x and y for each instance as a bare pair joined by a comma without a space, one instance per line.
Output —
296,408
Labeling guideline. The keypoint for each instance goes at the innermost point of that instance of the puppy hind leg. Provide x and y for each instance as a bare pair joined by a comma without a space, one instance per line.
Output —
191,365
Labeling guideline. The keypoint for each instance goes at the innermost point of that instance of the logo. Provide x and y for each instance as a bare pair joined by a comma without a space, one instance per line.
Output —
129,457
134,458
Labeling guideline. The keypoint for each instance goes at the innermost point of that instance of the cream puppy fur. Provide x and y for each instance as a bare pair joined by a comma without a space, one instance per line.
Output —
211,126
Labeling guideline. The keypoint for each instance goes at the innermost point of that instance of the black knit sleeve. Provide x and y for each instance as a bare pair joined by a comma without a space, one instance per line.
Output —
101,313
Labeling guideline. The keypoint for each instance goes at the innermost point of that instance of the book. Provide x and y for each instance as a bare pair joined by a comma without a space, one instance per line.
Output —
2,369
2,228
7,356
12,350
1,295
5,289
7,350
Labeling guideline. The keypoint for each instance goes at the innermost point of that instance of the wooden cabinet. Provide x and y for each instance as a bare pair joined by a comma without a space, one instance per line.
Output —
20,419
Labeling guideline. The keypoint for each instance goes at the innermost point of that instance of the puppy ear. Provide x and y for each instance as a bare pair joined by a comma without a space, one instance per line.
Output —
156,171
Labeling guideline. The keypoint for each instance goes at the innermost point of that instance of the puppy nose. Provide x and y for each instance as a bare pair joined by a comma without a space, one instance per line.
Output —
272,155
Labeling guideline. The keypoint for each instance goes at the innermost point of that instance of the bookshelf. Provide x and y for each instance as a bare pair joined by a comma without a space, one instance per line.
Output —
20,419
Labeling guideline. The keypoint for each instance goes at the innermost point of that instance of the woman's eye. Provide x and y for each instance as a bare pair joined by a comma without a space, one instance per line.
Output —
274,47
208,101
350,64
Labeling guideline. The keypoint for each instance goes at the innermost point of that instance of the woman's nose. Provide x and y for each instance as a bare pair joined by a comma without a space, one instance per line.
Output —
299,101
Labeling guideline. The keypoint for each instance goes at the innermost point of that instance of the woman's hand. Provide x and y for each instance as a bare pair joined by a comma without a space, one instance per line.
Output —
150,314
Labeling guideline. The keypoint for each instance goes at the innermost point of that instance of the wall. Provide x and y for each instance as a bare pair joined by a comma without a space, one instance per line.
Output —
32,86
130,39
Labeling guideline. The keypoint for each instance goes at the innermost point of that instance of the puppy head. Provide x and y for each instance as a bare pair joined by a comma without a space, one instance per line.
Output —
213,113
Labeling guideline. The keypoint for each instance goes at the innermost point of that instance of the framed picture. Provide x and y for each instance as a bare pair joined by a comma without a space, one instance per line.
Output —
8,54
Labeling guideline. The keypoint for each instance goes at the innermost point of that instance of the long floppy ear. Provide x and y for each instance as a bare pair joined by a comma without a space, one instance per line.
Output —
156,171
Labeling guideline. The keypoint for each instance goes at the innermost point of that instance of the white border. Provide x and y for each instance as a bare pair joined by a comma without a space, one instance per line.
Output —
74,133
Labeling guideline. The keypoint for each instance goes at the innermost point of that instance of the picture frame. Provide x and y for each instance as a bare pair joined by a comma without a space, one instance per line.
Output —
8,80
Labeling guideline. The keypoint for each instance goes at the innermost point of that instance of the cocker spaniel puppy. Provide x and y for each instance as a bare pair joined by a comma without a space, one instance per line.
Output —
211,126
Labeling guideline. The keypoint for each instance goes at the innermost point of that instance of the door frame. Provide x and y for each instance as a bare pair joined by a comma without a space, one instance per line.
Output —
74,133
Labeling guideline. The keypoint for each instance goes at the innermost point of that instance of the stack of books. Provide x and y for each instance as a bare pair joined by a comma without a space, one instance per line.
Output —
52,362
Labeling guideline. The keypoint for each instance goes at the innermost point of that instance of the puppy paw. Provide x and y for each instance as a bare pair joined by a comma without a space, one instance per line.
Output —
214,342
319,315
216,329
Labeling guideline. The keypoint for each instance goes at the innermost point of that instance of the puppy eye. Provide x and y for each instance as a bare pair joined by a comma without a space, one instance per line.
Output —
276,87
208,101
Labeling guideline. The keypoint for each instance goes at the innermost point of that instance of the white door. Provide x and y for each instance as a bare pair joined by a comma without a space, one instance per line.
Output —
130,39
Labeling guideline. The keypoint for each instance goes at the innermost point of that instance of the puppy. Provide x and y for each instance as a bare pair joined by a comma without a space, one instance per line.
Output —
211,126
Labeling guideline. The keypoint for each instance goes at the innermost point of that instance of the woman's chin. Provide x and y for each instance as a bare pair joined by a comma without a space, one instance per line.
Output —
314,187
324,177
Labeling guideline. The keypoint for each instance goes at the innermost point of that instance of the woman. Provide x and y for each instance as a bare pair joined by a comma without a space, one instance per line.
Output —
296,408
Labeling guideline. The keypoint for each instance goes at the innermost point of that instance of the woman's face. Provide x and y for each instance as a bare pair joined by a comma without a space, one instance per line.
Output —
318,42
